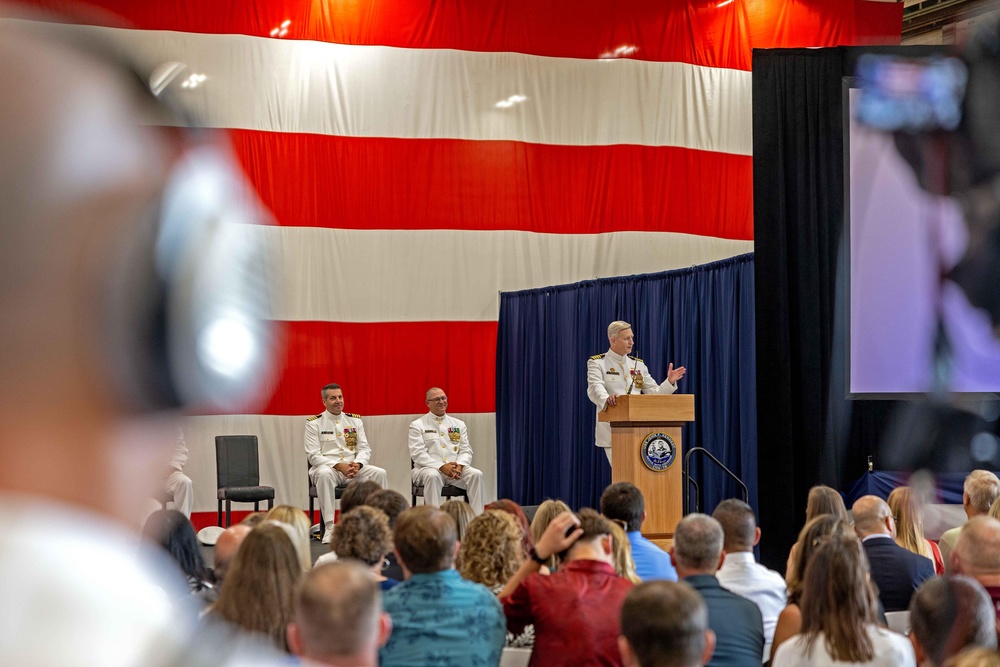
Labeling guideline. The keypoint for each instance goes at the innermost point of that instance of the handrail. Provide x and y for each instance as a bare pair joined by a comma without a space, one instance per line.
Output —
686,472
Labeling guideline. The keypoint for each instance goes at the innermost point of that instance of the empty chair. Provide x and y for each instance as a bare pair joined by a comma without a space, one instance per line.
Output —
237,473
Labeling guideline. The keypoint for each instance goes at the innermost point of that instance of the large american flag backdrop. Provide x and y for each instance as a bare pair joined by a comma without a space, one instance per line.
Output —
420,156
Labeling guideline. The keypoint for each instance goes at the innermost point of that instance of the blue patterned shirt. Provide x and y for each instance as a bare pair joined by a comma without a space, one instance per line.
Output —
442,620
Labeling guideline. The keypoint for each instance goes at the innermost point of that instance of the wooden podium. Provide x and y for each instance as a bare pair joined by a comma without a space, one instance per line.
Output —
633,420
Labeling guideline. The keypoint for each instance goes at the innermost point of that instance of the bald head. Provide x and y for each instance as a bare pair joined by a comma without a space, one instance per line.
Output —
872,516
977,551
226,546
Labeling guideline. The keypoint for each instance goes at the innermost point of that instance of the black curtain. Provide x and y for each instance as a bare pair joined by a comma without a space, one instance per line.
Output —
808,432
700,317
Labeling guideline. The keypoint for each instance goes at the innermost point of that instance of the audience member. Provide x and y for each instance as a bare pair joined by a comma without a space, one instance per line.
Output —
622,501
896,571
461,512
621,554
392,503
491,554
977,554
301,525
665,624
839,615
258,590
337,617
821,500
515,510
908,511
575,610
363,534
87,168
741,573
438,617
811,536
980,491
948,614
253,519
225,550
356,493
548,510
697,554
975,657
172,531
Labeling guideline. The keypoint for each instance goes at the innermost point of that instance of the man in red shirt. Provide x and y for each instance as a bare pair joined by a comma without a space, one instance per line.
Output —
575,610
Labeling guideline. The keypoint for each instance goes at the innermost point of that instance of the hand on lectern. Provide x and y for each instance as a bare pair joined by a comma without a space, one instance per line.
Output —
611,402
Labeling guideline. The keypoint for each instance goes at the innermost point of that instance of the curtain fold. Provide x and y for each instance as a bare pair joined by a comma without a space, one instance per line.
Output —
701,318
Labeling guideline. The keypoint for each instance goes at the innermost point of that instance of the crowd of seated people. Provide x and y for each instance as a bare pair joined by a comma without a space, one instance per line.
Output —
429,586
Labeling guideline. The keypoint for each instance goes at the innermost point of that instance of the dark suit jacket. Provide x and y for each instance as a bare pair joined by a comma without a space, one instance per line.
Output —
896,571
739,629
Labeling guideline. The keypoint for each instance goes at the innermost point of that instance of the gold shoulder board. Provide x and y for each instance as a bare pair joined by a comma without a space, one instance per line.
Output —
598,356
353,414
313,418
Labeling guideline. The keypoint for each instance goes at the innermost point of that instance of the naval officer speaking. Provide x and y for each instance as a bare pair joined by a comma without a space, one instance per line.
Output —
616,373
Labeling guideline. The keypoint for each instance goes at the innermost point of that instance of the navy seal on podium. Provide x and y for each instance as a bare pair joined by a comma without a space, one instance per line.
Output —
617,373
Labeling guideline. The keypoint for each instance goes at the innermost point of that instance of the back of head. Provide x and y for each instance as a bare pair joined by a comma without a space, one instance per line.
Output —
337,609
362,534
258,590
461,512
812,535
950,613
739,525
425,539
357,493
389,501
491,551
623,501
300,525
982,488
838,600
548,510
594,526
975,657
870,513
698,543
515,510
905,506
621,552
172,531
225,549
825,500
665,624
977,550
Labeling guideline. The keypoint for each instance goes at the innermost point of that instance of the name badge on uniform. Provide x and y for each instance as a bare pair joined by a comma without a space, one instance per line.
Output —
612,371
326,432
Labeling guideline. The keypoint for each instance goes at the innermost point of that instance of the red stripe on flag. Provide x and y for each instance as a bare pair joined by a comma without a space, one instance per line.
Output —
384,368
368,183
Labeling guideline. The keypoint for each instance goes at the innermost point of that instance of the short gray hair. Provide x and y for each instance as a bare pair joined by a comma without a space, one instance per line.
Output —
617,327
983,488
698,542
950,613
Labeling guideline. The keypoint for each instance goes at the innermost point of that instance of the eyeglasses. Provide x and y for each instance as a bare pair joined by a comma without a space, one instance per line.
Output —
438,399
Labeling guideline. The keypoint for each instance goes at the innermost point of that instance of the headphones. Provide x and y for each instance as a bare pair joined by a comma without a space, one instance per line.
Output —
184,315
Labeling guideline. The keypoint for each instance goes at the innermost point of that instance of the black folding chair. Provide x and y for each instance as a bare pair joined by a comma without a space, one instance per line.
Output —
237,474
447,491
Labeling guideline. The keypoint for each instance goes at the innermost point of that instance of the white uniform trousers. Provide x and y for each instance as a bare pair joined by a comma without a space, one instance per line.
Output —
327,480
433,481
181,489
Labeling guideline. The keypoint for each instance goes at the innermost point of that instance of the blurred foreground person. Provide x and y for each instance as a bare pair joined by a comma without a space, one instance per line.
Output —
84,170
948,615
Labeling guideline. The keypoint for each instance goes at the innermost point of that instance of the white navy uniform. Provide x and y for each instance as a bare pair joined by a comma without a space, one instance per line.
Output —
333,439
178,484
434,441
611,374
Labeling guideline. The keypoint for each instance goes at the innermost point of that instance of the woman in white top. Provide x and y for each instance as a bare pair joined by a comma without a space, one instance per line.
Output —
838,615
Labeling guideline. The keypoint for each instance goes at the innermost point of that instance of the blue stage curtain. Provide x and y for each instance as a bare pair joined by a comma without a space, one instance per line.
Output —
701,318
